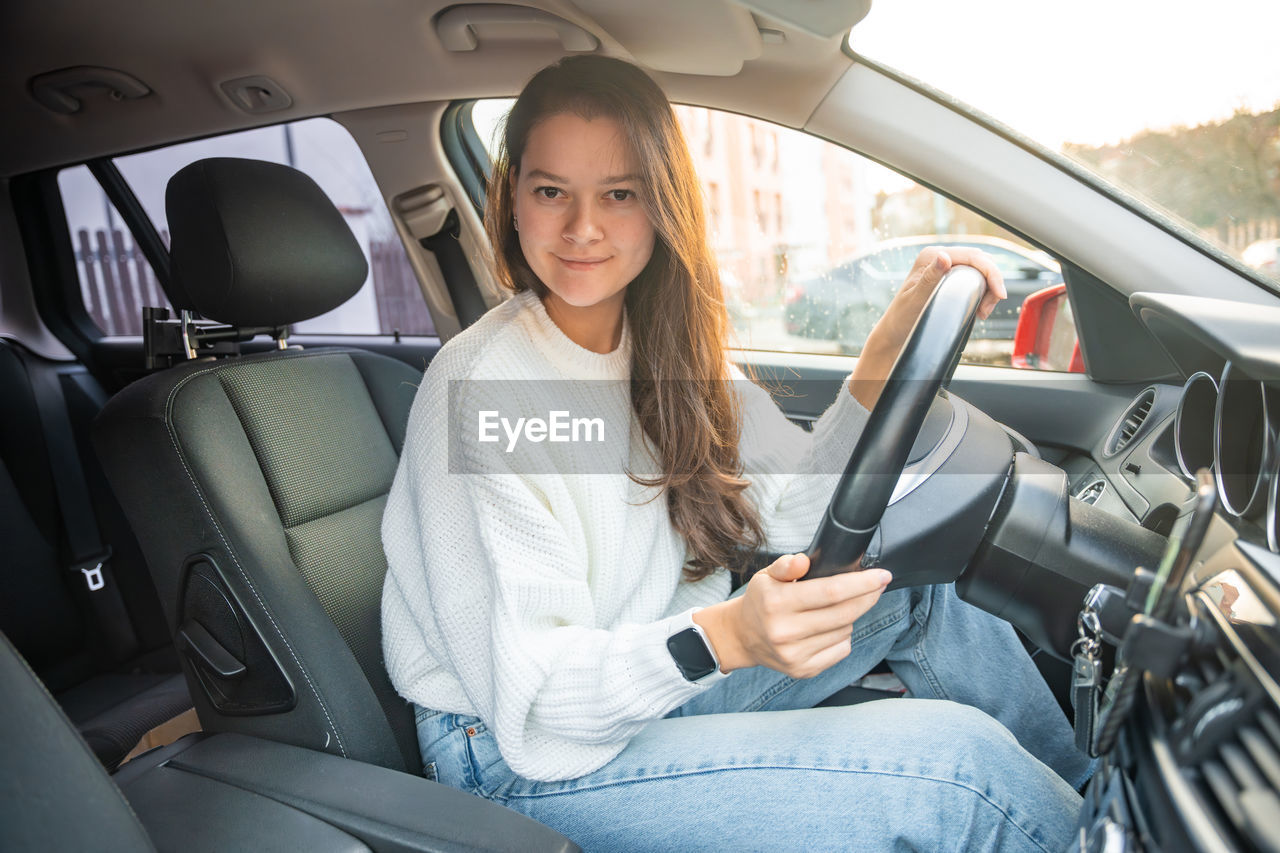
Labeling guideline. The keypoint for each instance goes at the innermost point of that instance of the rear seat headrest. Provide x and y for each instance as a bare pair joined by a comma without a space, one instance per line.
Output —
257,244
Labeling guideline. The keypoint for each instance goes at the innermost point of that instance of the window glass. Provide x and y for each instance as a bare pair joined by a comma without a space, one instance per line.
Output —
814,240
116,281
391,299
1175,102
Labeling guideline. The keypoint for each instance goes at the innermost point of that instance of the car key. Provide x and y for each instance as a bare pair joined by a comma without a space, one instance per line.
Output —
1086,681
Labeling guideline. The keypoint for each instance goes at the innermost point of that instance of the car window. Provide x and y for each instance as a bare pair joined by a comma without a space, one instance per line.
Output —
1197,140
813,240
891,265
390,301
116,280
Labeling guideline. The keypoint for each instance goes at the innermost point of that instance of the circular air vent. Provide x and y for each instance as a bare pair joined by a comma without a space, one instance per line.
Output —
1130,423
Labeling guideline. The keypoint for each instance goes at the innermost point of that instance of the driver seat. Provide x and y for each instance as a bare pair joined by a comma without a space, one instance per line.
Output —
256,484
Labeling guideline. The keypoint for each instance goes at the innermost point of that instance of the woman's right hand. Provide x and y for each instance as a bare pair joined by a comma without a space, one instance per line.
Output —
798,629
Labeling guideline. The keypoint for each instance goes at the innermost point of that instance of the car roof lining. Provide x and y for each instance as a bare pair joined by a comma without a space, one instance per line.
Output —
302,45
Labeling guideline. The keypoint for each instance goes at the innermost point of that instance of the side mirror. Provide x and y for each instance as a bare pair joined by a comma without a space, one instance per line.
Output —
1046,335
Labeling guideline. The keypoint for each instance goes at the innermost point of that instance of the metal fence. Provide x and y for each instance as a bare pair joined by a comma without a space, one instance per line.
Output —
116,281
397,291
1237,235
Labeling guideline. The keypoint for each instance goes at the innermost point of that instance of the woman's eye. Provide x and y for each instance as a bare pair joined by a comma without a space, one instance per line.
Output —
548,192
620,195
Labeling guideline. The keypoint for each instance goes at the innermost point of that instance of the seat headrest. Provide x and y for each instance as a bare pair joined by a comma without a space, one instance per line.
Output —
257,244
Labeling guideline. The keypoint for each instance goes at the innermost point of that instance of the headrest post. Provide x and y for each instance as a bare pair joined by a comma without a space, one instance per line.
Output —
187,344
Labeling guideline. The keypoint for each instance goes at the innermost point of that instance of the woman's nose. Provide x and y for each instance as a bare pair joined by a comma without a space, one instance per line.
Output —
583,225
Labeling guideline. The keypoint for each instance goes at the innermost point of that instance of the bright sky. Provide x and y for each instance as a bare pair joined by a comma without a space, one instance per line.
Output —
1087,71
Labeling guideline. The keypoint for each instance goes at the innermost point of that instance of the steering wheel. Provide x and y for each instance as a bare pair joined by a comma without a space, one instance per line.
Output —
926,361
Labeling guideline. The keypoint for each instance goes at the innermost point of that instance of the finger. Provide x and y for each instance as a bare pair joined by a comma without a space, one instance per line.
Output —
828,657
815,644
796,656
834,590
788,567
840,616
931,265
799,634
995,292
986,265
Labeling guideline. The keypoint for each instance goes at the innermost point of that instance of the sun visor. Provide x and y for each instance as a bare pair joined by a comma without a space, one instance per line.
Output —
471,27
824,18
714,38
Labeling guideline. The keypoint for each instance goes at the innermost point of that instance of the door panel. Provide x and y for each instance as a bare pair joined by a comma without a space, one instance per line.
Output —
1053,409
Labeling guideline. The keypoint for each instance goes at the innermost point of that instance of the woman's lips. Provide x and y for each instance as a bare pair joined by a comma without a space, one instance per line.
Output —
581,263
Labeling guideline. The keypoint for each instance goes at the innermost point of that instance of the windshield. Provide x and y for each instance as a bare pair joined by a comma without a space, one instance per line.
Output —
1176,103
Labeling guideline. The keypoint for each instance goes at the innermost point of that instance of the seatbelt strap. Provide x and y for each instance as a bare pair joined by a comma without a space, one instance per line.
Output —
90,564
459,280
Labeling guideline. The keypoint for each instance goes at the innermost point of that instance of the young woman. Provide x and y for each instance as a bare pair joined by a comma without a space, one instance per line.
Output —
557,609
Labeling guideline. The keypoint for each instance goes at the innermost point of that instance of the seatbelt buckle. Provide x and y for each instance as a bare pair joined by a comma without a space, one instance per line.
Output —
92,570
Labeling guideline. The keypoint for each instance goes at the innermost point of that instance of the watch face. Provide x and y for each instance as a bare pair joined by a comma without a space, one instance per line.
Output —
691,654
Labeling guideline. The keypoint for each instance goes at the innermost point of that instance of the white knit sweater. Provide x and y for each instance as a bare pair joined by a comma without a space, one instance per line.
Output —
531,588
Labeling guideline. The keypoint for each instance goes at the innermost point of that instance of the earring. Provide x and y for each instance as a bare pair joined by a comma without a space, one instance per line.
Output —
515,221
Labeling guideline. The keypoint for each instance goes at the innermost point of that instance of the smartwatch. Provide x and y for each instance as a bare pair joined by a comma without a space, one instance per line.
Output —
692,651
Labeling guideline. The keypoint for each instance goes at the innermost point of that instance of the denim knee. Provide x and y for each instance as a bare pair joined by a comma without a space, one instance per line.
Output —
902,773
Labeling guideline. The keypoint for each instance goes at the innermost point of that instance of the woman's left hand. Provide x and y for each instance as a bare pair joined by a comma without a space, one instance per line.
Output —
890,332
926,273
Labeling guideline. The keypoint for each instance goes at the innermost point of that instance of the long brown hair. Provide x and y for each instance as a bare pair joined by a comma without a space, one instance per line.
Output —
679,326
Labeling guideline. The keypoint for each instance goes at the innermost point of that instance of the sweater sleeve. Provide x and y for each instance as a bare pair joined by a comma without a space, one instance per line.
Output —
793,473
506,602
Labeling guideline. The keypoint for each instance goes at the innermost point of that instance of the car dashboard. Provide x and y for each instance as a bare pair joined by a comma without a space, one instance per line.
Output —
1196,765
1225,417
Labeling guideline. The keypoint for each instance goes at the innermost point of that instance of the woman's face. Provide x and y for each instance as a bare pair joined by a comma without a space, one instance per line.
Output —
582,225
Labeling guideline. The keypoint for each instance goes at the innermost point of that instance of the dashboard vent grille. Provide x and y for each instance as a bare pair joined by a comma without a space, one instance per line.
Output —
1242,775
1227,733
1131,421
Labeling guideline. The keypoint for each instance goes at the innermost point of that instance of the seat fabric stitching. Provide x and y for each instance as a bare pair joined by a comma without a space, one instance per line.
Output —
217,526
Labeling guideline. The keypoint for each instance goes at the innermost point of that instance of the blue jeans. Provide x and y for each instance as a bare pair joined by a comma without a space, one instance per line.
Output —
993,766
